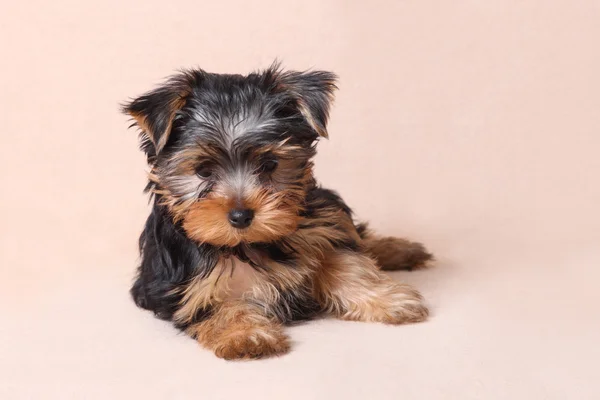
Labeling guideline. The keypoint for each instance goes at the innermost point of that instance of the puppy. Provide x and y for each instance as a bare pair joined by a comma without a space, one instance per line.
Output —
241,239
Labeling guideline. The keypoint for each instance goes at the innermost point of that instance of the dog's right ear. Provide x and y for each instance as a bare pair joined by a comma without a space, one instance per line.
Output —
154,112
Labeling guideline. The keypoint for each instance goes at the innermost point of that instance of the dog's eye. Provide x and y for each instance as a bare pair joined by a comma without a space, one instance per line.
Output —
269,166
204,171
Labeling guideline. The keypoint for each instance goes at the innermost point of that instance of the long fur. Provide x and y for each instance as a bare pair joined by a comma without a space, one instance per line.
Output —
209,139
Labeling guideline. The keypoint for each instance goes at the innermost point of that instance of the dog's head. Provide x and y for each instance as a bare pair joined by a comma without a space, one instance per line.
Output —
230,155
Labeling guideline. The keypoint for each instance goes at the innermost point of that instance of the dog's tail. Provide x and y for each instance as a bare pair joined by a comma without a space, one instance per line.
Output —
393,253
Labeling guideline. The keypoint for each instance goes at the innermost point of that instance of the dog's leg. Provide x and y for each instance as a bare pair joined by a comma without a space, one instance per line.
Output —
238,330
350,286
393,253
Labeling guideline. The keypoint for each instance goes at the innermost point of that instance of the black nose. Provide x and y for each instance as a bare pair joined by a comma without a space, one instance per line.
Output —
240,218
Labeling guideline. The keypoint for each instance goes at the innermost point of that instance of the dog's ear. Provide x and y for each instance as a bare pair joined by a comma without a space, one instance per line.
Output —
155,111
313,93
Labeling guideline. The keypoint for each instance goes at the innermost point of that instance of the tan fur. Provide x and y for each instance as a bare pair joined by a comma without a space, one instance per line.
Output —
275,211
284,84
182,164
347,284
350,287
318,237
140,119
238,330
239,327
274,216
393,253
232,280
237,309
305,110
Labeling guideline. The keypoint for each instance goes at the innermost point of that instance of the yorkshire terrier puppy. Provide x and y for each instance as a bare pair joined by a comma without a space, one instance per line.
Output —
241,239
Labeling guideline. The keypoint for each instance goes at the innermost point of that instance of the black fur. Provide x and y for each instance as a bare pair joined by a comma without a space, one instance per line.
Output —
295,306
196,108
276,94
170,259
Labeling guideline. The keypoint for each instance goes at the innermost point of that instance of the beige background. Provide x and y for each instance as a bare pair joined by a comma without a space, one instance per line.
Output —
472,126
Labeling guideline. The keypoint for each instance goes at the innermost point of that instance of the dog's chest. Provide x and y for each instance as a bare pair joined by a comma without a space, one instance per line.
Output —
232,278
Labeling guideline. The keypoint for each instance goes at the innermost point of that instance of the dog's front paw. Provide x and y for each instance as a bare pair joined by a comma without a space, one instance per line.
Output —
404,305
251,343
394,304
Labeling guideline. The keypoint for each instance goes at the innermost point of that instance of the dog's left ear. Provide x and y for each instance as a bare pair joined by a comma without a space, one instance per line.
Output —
313,92
155,111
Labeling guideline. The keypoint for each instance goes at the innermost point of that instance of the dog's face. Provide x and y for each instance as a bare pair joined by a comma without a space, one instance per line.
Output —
231,154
